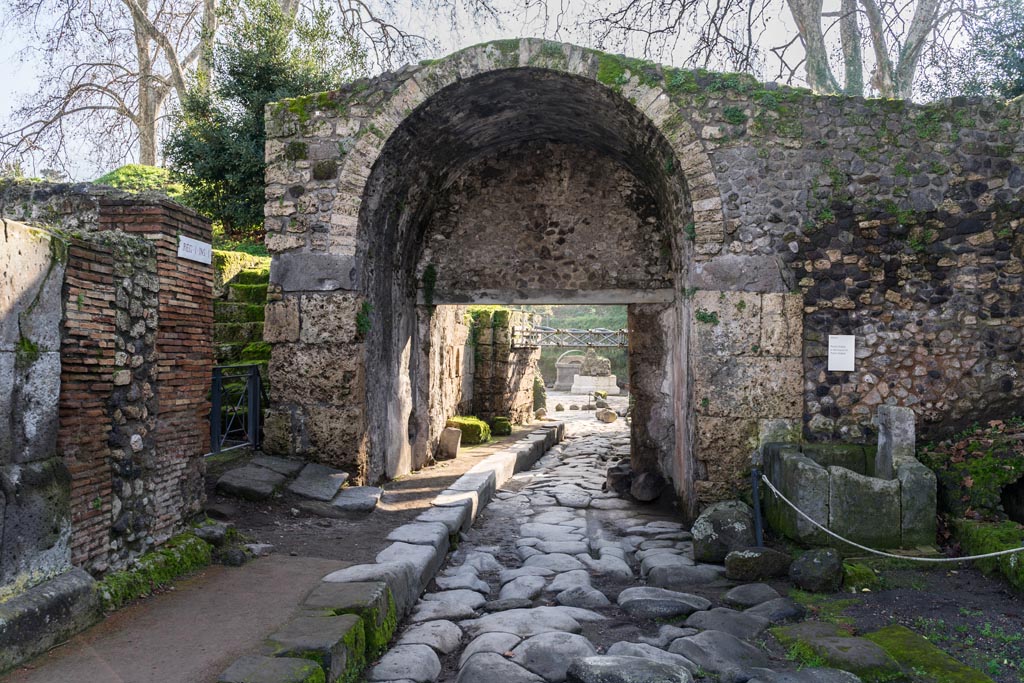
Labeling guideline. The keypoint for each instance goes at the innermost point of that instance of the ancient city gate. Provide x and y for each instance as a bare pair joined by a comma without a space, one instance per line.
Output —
742,223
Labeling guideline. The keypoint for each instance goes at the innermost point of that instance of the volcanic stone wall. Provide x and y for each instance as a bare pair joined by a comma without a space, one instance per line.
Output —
503,373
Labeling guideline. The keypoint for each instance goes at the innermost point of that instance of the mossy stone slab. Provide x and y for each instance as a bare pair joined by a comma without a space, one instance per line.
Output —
914,652
337,644
841,650
256,669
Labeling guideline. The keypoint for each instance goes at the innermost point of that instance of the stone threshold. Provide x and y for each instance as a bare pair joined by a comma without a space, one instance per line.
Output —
349,619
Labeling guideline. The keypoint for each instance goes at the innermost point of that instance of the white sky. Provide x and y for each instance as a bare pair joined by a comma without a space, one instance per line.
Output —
20,79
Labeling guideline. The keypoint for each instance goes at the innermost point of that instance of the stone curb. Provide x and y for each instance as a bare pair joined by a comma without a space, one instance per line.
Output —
383,592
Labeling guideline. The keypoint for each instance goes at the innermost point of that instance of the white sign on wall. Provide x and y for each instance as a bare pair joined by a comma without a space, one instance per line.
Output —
194,250
841,352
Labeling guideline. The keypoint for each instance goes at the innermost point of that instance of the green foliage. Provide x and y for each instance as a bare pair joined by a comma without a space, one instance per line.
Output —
707,317
363,319
690,230
216,146
858,576
501,426
919,240
26,352
973,467
258,351
540,394
180,555
474,430
735,115
141,178
804,656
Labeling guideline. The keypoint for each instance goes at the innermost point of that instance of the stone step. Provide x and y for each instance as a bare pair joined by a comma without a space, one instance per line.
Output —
254,294
338,643
237,333
257,669
369,600
237,312
252,276
318,482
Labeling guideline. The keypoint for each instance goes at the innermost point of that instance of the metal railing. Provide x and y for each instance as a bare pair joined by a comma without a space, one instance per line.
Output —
532,337
236,411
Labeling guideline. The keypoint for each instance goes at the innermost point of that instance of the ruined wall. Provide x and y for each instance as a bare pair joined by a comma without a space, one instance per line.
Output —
544,216
35,524
448,343
503,374
895,222
135,356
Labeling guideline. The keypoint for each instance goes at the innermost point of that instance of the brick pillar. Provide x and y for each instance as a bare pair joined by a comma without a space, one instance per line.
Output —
184,345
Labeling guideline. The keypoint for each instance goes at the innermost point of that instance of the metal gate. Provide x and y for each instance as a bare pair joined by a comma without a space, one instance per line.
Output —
236,411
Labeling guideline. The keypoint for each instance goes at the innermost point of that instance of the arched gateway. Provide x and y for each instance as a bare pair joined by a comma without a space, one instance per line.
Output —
731,217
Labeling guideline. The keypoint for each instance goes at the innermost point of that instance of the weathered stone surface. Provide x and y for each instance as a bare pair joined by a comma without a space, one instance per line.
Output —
778,611
857,655
569,579
657,603
357,499
718,652
683,577
507,604
549,654
318,482
250,482
256,669
864,509
645,651
749,595
401,577
806,484
754,564
559,562
819,571
322,639
286,466
743,625
816,675
619,669
896,438
647,486
522,622
214,534
488,667
299,272
720,529
417,663
433,534
425,558
448,444
524,587
582,596
918,491
605,415
441,635
455,518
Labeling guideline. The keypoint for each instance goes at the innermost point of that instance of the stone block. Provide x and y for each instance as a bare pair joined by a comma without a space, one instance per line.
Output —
337,643
281,321
747,273
370,600
329,318
917,503
724,444
35,502
336,435
258,669
318,482
806,484
305,374
250,482
864,509
448,444
749,387
782,324
401,578
425,558
738,330
455,518
48,614
31,279
434,534
306,272
357,499
29,401
896,438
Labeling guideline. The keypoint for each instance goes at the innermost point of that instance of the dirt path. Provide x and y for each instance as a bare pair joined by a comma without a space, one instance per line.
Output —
186,635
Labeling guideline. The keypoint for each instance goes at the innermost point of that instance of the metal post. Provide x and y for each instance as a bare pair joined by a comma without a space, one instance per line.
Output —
215,408
755,481
252,388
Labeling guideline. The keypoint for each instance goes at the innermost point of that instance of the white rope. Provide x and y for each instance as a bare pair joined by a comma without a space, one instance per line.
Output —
880,552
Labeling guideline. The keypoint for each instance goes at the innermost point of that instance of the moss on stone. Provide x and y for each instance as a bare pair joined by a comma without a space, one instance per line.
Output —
857,576
914,653
474,430
979,538
180,555
355,653
363,319
377,628
26,352
257,351
501,426
249,293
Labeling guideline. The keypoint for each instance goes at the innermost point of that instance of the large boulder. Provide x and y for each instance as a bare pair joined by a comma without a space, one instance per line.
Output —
818,571
722,528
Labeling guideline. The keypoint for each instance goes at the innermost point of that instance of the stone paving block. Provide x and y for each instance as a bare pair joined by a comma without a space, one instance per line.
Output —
250,482
441,635
433,534
357,499
318,482
285,466
257,669
400,577
417,663
370,600
491,667
619,669
549,654
337,643
456,517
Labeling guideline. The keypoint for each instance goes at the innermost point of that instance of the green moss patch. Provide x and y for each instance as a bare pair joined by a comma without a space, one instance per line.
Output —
973,467
255,352
928,663
180,555
978,538
474,430
501,426
254,294
377,628
857,577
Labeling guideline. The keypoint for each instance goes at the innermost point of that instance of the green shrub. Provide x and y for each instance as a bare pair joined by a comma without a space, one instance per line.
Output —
141,178
501,426
474,430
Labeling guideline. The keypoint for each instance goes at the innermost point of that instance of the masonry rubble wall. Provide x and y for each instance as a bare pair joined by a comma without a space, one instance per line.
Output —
503,373
451,375
126,412
784,217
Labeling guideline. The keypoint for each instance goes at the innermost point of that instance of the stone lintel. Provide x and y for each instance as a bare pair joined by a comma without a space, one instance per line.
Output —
553,296
304,272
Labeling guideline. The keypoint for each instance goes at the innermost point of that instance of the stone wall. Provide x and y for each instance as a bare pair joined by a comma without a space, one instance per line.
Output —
503,374
451,373
132,323
895,222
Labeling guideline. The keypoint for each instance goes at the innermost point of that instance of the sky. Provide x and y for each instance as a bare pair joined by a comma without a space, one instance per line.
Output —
21,77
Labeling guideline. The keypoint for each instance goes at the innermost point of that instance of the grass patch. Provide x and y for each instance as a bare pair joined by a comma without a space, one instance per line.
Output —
822,607
927,662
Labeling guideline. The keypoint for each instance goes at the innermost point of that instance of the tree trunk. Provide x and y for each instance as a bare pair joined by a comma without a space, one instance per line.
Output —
204,66
849,33
807,15
147,113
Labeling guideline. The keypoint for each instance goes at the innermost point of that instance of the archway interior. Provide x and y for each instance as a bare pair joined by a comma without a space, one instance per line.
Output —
516,186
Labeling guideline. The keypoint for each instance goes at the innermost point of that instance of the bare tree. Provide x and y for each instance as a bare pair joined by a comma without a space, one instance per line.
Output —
112,68
890,36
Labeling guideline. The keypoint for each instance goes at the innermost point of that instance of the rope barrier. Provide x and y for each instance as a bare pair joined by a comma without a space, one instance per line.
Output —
831,533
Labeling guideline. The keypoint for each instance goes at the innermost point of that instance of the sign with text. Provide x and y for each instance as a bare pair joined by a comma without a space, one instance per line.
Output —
841,352
194,250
